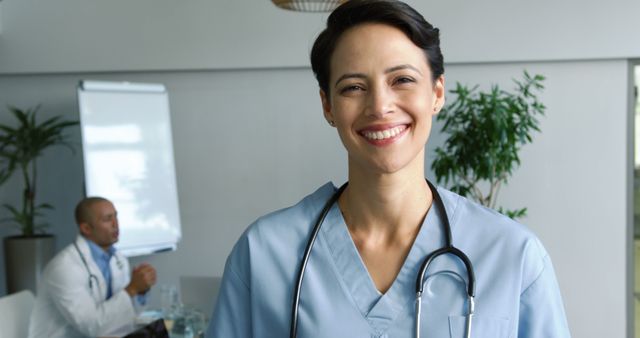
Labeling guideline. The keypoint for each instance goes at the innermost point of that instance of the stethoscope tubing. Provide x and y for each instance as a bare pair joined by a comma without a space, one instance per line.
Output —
92,276
86,266
447,249
305,259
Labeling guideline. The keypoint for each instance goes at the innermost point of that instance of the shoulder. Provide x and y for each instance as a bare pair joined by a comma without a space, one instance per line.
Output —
294,218
64,265
471,216
68,253
488,232
292,222
281,230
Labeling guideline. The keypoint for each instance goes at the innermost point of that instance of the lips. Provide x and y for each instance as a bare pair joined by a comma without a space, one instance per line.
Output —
383,134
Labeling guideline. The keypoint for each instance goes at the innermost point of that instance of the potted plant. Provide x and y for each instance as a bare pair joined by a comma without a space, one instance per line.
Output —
486,130
20,147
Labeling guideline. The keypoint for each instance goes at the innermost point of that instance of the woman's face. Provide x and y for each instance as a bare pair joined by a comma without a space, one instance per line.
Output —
381,98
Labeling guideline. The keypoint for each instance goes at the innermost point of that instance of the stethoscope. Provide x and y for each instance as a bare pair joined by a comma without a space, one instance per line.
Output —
448,248
93,277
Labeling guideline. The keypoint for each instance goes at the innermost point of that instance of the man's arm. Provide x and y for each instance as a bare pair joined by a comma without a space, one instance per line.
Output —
84,308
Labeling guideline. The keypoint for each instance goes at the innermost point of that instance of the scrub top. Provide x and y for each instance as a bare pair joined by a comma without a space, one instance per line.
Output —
516,290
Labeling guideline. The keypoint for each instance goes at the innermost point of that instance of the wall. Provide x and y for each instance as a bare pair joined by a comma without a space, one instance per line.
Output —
573,179
0,17
248,142
241,91
76,35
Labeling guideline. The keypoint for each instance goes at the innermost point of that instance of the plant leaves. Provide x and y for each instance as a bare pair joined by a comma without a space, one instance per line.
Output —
485,131
20,146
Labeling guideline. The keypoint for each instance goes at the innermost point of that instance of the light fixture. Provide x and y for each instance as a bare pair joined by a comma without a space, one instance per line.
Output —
308,5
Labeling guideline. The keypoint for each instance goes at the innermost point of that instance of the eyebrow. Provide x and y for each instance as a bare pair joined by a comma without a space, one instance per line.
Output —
386,71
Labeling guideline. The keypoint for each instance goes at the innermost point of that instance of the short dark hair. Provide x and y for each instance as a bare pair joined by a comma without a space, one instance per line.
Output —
389,12
83,209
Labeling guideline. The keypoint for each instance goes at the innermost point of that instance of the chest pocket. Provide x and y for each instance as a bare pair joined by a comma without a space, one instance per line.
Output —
481,327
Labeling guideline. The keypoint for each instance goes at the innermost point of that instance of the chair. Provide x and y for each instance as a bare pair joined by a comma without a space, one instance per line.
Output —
15,310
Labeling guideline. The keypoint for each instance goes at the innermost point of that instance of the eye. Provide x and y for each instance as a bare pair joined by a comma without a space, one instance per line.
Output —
351,88
403,79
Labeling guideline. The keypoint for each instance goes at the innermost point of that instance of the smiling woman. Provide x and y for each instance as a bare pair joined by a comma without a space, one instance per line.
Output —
383,99
354,261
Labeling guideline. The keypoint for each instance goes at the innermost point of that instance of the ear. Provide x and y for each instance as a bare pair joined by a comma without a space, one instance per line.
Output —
438,94
326,107
85,229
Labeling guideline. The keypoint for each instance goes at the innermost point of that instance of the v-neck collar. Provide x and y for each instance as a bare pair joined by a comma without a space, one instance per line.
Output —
380,309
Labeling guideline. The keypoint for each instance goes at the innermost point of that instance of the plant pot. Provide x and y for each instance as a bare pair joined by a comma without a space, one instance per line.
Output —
25,258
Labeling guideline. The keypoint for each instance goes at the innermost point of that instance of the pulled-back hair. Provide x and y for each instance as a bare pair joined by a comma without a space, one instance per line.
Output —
389,12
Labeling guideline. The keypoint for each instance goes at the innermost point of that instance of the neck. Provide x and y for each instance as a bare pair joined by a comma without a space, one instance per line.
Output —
386,205
104,248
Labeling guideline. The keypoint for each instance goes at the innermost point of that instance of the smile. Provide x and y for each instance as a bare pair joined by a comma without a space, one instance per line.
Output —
378,135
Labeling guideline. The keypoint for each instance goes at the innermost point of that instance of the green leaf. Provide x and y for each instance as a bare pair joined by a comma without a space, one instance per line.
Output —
21,144
485,130
513,214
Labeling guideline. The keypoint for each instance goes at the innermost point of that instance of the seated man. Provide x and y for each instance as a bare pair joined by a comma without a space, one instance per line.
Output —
87,288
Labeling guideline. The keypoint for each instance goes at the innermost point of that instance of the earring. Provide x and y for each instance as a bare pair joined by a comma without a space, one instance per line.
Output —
332,123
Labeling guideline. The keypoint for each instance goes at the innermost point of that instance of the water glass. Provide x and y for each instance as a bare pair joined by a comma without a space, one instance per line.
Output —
169,299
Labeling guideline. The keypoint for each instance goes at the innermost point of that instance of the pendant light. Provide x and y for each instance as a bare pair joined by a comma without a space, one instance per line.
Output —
308,5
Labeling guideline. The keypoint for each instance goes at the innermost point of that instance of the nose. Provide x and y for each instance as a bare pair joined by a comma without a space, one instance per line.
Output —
380,101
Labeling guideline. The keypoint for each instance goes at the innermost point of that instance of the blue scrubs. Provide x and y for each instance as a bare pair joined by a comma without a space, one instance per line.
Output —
516,290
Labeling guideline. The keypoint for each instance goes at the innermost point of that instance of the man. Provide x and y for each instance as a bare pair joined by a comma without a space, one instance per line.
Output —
86,289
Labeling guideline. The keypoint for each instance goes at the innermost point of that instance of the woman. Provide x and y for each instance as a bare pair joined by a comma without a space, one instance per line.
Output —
380,71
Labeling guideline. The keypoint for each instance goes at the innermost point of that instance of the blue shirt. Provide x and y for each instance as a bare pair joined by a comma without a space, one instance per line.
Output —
102,259
516,290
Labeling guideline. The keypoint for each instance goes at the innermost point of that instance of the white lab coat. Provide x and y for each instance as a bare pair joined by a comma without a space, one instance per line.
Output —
66,306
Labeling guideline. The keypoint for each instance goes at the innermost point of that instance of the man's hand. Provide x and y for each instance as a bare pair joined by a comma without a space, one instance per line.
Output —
142,278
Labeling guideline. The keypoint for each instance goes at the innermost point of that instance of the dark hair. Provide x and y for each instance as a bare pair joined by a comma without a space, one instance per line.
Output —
83,209
393,13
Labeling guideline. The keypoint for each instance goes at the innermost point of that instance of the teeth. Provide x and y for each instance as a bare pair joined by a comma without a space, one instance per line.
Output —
383,134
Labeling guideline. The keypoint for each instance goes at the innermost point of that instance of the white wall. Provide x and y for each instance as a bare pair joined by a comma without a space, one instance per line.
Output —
573,179
77,35
233,150
248,142
251,138
0,17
